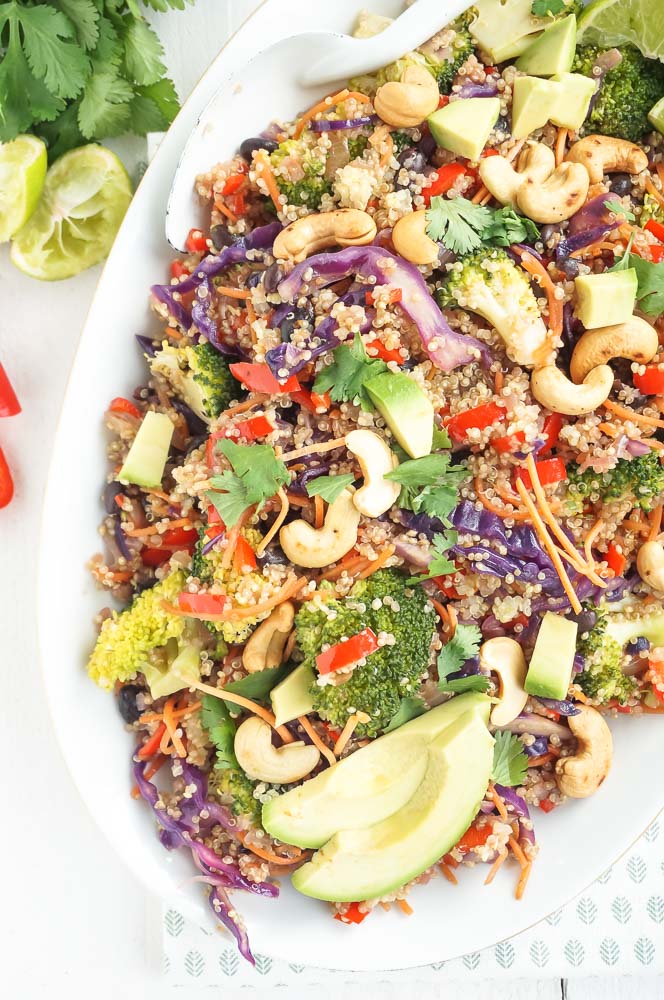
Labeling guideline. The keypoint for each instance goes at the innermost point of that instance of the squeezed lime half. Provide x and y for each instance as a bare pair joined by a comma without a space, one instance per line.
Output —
22,173
85,196
610,23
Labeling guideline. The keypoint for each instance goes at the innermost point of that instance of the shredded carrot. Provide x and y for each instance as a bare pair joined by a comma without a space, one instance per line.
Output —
590,538
651,189
448,873
225,210
279,520
495,866
319,512
404,907
180,713
637,526
486,199
544,758
517,851
543,278
385,906
156,493
262,852
313,449
180,522
547,513
626,414
377,563
232,540
659,167
251,318
442,611
545,538
499,381
264,170
348,731
514,515
498,803
316,740
480,195
523,880
151,745
561,142
233,293
349,567
451,611
655,522
171,728
290,643
242,702
326,105
248,404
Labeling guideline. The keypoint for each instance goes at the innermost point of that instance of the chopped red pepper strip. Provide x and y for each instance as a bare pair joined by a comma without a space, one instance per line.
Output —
259,378
651,383
353,915
615,560
122,405
656,228
546,805
479,417
233,184
447,175
178,270
474,837
378,349
154,557
179,536
6,482
343,654
551,432
151,746
237,203
9,404
550,471
196,241
202,604
657,254
395,295
254,428
508,443
244,556
446,588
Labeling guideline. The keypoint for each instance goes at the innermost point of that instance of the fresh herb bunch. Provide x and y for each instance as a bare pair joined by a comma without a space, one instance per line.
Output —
73,71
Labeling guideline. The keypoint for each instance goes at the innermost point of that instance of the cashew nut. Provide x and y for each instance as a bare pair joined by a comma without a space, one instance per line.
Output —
410,239
581,775
376,459
536,161
635,339
650,564
603,154
278,765
504,656
265,646
313,548
557,393
556,198
344,227
407,103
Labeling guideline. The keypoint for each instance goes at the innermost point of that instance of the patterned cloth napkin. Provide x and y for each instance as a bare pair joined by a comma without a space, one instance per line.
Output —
616,924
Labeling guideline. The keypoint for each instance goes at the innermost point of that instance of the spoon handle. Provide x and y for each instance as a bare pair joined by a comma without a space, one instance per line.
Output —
348,57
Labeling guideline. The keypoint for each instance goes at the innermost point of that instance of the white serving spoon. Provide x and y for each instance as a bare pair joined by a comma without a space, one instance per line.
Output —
287,74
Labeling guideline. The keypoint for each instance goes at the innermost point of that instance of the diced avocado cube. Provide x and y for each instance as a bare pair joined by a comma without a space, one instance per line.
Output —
405,409
605,299
550,669
291,697
464,126
573,99
656,117
505,29
552,52
533,100
145,463
168,680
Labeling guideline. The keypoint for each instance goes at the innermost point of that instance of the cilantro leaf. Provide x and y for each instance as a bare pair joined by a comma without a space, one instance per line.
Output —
420,471
510,762
507,228
410,708
23,98
463,645
257,475
429,484
457,223
329,487
233,501
344,379
440,565
618,209
84,15
53,58
216,719
650,276
104,107
257,686
462,685
163,5
143,53
441,439
541,8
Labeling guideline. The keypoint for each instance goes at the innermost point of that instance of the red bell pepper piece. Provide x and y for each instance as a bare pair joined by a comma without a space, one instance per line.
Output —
259,378
343,654
447,175
651,383
233,184
443,100
179,536
550,471
244,556
353,915
615,560
254,428
178,270
6,482
202,604
314,402
508,443
196,241
378,349
657,254
656,228
474,837
154,557
151,746
9,404
395,295
446,588
122,405
551,431
546,805
479,417
237,203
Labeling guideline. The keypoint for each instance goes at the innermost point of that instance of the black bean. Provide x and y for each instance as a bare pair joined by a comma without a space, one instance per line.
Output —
272,276
221,237
127,705
254,279
412,159
249,146
621,184
571,267
585,619
293,317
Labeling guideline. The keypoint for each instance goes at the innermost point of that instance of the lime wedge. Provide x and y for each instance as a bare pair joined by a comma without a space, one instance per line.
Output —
85,197
22,173
612,23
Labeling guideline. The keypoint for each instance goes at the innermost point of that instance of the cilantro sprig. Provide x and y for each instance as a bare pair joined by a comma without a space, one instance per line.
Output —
541,8
329,487
216,719
650,277
440,564
463,646
457,223
257,474
429,485
345,378
618,209
510,761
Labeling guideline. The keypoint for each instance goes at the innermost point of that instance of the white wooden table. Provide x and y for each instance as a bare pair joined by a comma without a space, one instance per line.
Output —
72,920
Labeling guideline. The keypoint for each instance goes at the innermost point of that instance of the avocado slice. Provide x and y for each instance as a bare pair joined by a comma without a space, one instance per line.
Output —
573,99
532,103
464,126
648,625
291,697
550,668
505,28
656,117
605,299
168,680
553,52
363,864
405,409
369,785
145,463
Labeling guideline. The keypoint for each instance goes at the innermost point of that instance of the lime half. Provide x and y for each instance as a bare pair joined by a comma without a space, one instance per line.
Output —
85,197
611,23
22,173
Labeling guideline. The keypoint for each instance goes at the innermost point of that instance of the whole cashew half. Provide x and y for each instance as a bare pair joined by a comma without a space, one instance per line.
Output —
278,765
344,227
407,103
503,656
410,239
265,645
650,564
603,154
313,547
581,775
536,162
376,459
553,389
556,198
635,339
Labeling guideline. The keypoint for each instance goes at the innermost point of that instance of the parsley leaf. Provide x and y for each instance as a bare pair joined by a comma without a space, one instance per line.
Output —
457,223
541,8
510,762
429,484
464,644
410,708
506,228
344,379
216,719
329,487
257,475
618,209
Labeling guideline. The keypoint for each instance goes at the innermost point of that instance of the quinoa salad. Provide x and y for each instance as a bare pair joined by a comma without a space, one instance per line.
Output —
384,519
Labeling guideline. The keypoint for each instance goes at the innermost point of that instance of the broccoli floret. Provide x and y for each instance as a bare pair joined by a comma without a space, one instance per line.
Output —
640,479
307,166
602,678
126,639
444,63
626,95
394,670
357,144
234,789
201,565
200,375
651,210
489,283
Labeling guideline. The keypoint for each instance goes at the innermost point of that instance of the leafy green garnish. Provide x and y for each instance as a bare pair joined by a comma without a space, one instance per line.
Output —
409,709
440,565
329,487
510,761
506,228
441,439
257,475
463,226
650,276
464,644
462,685
429,485
618,209
216,719
345,378
541,8
257,686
